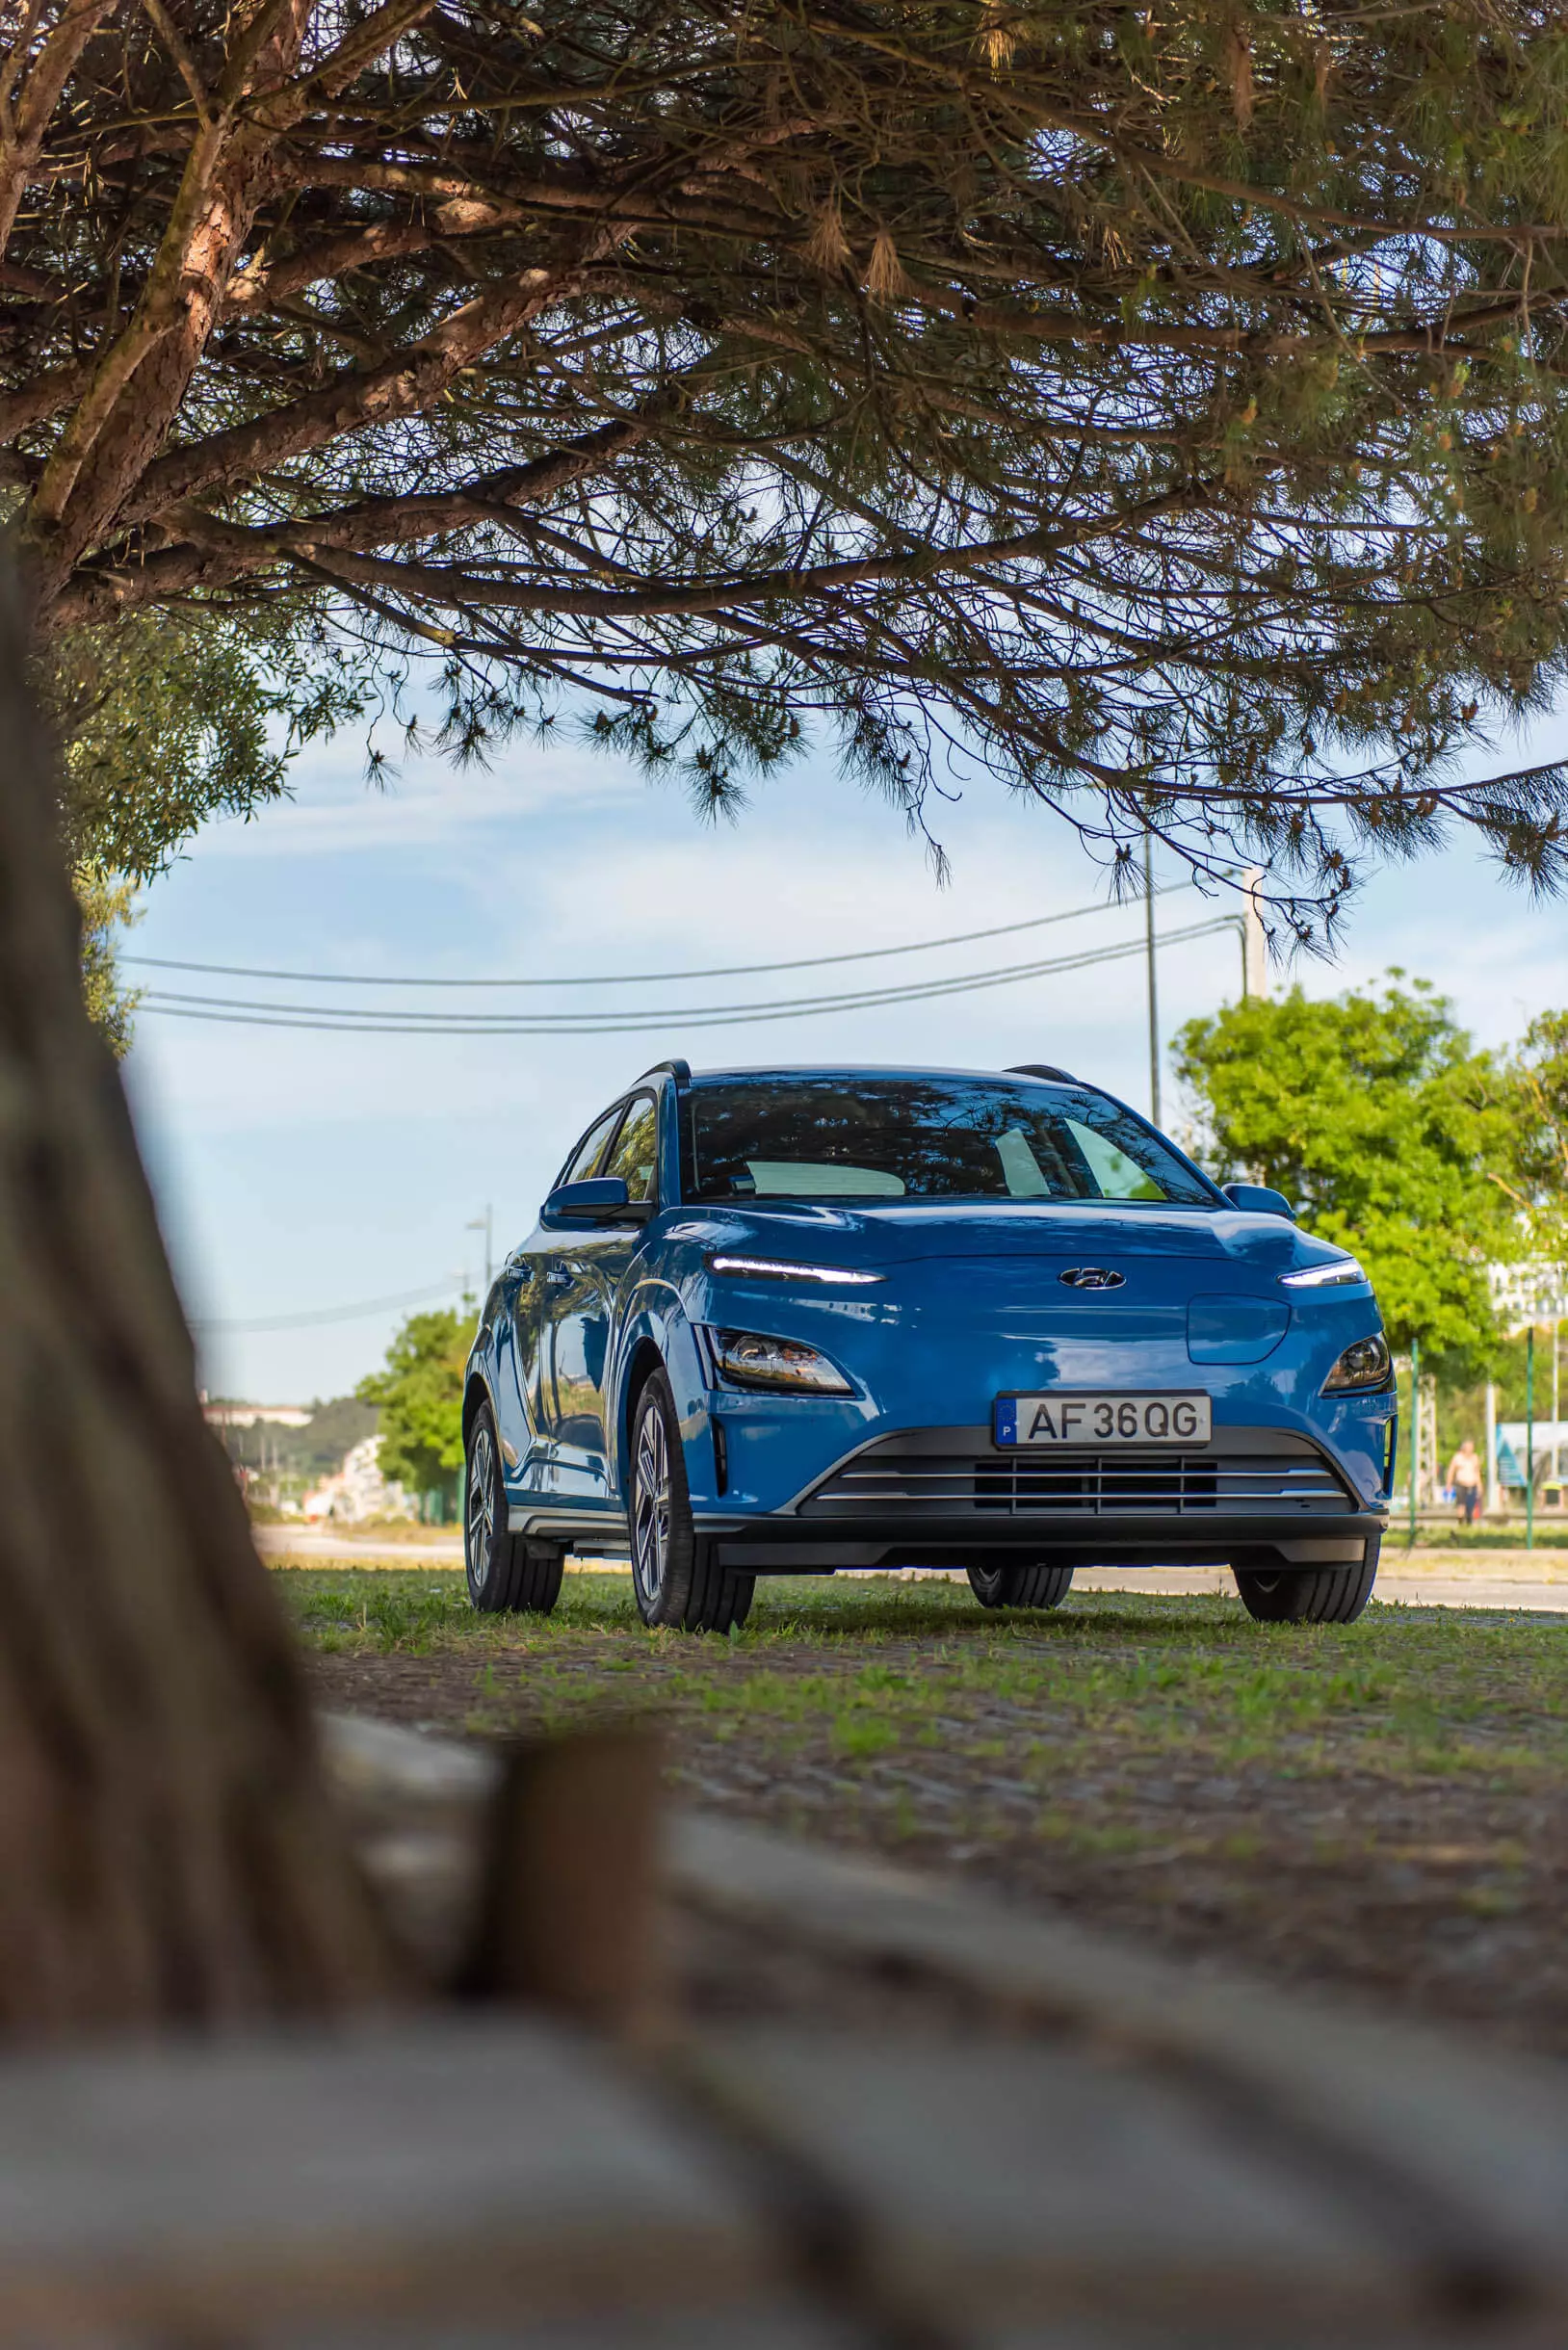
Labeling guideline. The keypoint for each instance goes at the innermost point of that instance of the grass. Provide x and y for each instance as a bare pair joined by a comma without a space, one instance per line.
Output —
1380,1807
855,1674
1550,1534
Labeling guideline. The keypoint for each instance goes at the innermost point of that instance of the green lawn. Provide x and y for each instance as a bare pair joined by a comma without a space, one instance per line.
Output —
883,1664
1383,1805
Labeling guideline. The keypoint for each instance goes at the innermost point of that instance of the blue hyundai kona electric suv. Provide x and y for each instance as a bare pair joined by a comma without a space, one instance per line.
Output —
788,1320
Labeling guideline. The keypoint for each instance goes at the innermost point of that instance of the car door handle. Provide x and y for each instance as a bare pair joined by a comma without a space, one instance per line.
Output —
559,1277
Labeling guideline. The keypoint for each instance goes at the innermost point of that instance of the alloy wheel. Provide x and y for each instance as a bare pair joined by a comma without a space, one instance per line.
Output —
478,1516
650,1517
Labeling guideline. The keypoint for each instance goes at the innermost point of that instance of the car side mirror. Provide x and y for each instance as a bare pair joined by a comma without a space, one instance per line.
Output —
1257,1199
601,1199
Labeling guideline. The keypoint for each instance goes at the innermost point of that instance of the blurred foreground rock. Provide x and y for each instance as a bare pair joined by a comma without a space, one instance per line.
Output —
912,2122
826,2107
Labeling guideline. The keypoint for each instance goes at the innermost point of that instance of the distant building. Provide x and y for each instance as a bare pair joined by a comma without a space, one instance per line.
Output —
358,1490
248,1415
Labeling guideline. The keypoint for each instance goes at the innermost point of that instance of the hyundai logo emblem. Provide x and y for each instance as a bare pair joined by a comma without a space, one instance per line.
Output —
1092,1277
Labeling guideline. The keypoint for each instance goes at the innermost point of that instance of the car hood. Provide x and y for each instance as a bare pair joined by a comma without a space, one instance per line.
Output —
901,1231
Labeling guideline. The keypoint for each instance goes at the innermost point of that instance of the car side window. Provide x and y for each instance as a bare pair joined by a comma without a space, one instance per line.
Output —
584,1159
636,1155
1020,1167
1117,1176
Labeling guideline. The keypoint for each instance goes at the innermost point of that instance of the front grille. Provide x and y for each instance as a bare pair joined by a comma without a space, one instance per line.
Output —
894,1479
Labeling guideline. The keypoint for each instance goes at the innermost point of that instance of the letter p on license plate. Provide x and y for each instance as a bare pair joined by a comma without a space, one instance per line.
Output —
1101,1420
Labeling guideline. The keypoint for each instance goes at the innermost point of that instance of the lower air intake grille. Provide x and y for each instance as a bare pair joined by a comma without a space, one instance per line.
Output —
895,1481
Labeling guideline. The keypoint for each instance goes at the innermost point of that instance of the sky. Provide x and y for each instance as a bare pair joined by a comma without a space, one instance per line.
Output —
302,1173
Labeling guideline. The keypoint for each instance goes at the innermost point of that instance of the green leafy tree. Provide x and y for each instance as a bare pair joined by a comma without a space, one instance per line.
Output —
420,1394
1164,410
106,907
166,720
1537,1073
1375,1114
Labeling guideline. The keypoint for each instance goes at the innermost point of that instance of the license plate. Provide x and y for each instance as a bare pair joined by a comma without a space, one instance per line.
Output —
1119,1419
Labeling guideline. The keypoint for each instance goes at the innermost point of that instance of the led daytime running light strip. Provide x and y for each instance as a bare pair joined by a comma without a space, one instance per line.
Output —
1342,1271
777,1268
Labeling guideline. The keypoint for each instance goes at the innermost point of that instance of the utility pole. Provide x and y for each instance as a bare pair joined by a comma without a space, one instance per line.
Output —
485,1223
1254,937
1154,989
1493,1502
1415,1434
1530,1437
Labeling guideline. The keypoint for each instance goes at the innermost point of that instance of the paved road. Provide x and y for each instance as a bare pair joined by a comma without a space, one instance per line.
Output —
349,1550
1495,1579
1513,1587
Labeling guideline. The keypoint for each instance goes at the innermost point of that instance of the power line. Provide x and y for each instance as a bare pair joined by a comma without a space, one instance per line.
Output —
655,1015
637,979
361,1311
365,1021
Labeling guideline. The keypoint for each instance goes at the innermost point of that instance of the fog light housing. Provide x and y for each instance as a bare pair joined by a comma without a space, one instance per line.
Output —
745,1358
1364,1363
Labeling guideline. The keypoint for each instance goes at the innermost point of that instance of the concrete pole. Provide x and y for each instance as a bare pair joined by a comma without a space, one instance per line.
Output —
1493,1504
485,1223
1154,990
1415,1433
1430,1453
1254,938
1530,1437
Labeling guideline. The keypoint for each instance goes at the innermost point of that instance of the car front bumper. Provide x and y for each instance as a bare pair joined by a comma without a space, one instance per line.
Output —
1253,1497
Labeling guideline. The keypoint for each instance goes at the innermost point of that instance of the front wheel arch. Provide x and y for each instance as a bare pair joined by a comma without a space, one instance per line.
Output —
475,1394
645,1359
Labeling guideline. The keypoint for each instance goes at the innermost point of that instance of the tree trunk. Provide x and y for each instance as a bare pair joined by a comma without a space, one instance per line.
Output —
167,1852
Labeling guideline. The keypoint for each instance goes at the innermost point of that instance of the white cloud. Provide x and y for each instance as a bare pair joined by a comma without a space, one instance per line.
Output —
335,810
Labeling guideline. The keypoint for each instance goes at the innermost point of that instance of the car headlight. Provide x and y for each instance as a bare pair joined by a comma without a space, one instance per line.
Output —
751,1360
779,1269
1330,1276
1368,1363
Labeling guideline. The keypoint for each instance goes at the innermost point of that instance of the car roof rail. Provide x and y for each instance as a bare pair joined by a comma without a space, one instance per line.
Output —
679,1070
1041,1068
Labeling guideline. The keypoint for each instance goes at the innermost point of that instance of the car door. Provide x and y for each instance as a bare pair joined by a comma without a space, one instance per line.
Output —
594,1260
538,1277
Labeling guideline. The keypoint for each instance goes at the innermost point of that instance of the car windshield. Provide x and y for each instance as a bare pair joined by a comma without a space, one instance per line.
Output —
861,1138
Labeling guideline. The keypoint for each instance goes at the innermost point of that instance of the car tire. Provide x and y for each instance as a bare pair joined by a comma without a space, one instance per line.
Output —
1040,1586
1309,1595
506,1572
676,1579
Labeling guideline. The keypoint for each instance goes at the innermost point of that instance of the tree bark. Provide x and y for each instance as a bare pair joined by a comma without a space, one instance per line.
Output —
167,1851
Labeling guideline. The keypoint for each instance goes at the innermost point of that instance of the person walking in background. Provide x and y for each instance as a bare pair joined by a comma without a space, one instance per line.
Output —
1465,1475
